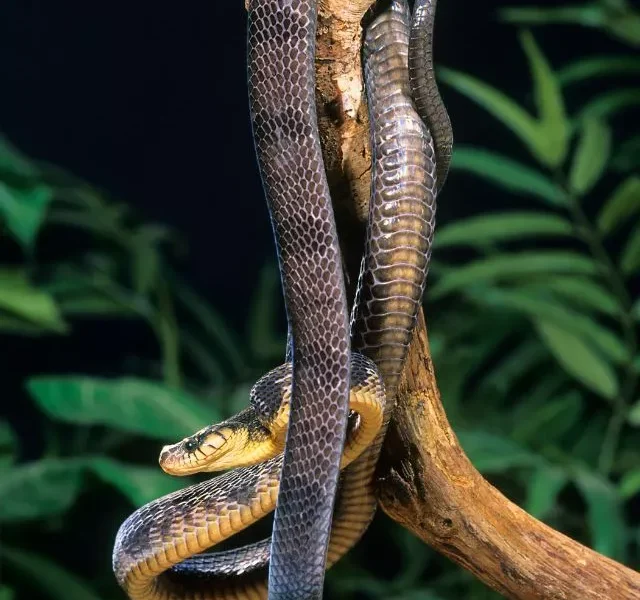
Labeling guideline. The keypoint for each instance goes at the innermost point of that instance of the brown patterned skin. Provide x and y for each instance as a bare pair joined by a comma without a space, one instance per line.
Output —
392,281
153,558
281,70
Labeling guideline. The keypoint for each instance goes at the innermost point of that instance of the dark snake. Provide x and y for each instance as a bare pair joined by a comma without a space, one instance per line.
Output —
406,165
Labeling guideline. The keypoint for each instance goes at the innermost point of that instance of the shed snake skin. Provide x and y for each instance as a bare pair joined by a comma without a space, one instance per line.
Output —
155,547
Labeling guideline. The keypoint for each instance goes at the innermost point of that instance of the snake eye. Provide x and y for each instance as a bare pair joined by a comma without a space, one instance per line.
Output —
191,445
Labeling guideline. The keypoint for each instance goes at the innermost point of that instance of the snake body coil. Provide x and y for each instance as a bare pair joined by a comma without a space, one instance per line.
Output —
162,534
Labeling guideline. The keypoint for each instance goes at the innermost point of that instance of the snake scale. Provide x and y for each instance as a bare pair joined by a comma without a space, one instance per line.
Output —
157,551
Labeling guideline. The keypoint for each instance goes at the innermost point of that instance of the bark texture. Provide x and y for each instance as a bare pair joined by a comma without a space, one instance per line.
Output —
427,484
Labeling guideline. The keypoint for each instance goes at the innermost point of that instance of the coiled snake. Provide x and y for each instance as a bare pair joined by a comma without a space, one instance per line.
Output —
156,554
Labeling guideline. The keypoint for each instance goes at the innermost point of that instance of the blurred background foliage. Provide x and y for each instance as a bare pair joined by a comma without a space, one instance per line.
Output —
532,312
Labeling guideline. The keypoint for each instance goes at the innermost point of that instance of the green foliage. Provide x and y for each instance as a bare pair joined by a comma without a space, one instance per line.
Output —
39,489
40,572
24,308
577,339
139,484
507,173
23,199
618,18
532,323
136,406
591,156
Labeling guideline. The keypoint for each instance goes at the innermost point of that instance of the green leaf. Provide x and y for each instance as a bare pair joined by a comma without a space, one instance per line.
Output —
621,205
550,421
627,156
139,484
582,292
514,365
23,211
578,359
212,324
134,405
630,259
6,593
146,255
7,445
202,357
238,398
598,66
494,454
591,156
264,340
510,266
105,220
629,484
507,173
615,18
502,107
589,439
18,297
145,267
553,129
13,162
635,310
422,593
12,325
539,307
625,25
92,304
39,489
499,227
586,14
93,291
633,416
606,522
543,488
547,138
53,580
608,104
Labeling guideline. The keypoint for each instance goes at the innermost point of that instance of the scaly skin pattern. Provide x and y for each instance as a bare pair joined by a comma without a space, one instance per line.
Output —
153,558
258,433
424,88
281,70
398,244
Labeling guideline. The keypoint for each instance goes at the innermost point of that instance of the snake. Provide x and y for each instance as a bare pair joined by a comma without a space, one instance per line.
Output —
157,554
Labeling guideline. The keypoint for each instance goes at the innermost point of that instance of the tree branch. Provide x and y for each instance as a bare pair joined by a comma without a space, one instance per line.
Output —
429,486
427,483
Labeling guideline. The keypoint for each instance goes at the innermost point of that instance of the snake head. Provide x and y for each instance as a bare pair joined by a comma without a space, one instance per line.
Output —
237,442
